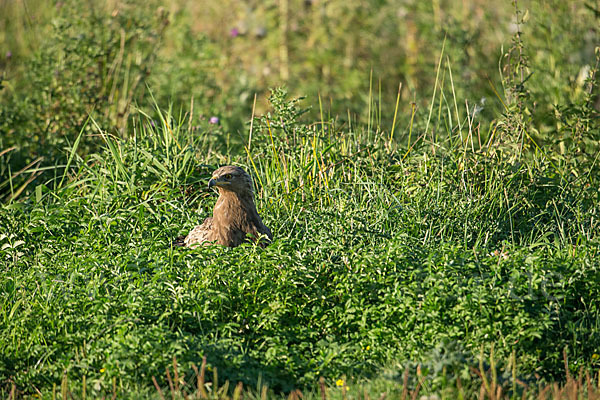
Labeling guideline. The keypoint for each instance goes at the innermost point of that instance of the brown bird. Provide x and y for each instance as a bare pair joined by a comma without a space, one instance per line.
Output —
234,216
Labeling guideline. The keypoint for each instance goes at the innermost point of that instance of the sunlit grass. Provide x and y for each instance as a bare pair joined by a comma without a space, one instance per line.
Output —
438,242
393,250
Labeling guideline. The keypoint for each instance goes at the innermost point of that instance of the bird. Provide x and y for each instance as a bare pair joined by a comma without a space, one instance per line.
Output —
235,219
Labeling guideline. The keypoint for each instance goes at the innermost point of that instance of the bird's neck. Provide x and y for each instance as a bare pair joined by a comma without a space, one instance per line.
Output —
231,206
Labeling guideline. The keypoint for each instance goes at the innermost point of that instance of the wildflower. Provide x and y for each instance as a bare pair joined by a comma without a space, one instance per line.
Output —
234,32
8,54
499,254
595,356
214,120
102,370
339,382
368,348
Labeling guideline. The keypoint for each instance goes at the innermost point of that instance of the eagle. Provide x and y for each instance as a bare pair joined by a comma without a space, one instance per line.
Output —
235,219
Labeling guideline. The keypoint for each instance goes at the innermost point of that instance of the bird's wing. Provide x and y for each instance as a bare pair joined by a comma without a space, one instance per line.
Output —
263,230
200,234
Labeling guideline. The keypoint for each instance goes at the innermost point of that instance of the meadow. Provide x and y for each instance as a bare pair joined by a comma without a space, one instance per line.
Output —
429,170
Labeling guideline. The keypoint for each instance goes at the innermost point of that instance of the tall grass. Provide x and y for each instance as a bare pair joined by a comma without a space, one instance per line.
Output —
398,249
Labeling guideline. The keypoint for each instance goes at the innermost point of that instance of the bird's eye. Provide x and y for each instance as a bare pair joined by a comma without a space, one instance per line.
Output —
228,176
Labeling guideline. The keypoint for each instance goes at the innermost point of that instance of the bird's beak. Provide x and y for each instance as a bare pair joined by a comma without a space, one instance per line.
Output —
218,181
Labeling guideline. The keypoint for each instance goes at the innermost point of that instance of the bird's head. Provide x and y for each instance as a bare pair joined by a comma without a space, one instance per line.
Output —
232,179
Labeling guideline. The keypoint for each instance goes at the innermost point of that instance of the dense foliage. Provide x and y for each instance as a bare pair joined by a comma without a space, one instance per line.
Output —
425,232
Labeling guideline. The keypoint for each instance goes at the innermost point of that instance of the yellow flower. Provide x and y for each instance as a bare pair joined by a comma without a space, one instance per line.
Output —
368,348
595,356
102,370
339,382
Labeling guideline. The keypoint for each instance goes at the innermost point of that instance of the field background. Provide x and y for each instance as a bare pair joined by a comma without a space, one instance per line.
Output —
430,170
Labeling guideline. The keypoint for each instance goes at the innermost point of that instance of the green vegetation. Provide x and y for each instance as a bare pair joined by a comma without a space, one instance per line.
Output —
426,228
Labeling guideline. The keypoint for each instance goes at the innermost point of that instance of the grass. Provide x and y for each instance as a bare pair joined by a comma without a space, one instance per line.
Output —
434,246
484,382
380,255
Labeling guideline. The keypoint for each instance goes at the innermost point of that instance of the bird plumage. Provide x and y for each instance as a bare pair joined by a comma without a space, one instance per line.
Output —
235,218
